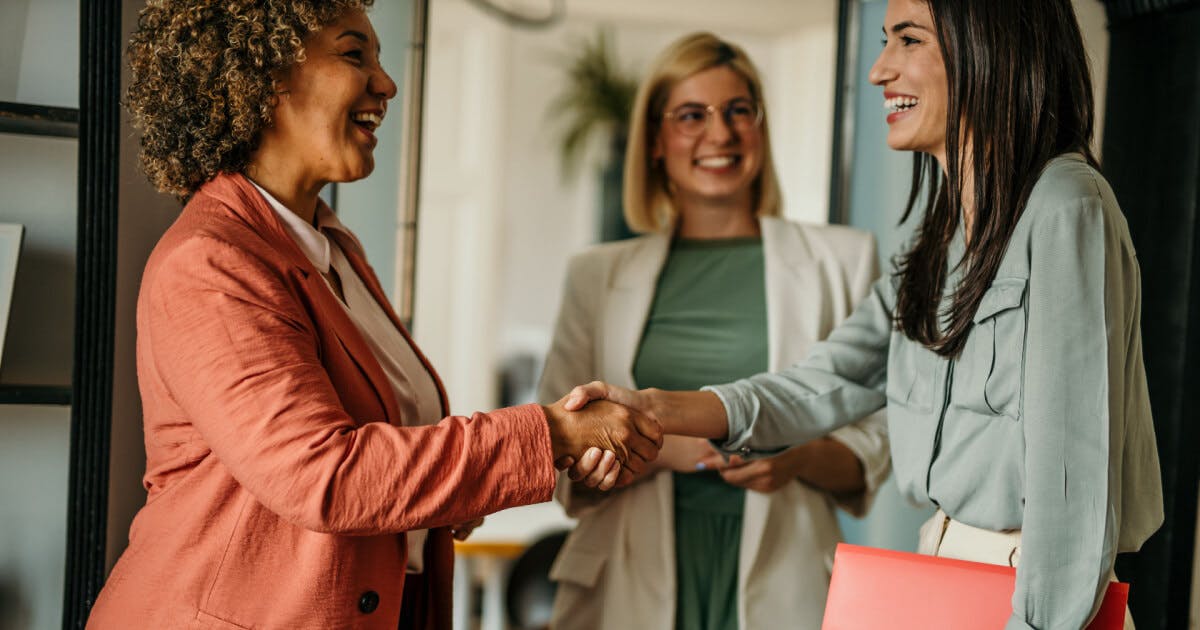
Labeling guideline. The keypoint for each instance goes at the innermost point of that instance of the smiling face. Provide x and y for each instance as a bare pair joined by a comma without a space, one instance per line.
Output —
330,104
719,165
913,77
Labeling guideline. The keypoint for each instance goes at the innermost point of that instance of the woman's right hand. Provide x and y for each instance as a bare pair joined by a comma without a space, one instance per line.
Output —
627,437
695,413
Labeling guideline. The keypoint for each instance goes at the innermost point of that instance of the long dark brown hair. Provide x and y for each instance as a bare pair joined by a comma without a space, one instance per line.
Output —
1020,93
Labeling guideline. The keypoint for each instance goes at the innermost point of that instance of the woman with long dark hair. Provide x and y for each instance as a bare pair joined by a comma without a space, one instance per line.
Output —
1006,344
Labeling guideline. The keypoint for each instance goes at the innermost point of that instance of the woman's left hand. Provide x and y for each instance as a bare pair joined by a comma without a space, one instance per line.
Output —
463,530
760,475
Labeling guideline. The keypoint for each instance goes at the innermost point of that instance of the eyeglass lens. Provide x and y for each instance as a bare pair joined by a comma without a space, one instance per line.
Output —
691,119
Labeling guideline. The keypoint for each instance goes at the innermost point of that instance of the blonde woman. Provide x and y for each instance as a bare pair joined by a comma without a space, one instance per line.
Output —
717,288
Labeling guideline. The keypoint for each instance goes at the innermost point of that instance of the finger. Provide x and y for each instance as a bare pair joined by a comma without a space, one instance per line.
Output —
625,478
711,462
639,445
597,475
649,428
611,478
583,394
587,463
738,475
635,464
735,461
564,462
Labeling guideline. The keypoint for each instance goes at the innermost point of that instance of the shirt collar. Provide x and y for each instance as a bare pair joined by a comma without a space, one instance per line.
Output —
309,239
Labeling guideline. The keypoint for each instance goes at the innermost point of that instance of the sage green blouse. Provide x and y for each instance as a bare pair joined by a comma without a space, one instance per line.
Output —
1041,424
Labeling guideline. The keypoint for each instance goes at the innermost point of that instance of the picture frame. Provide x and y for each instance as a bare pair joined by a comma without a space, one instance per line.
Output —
11,235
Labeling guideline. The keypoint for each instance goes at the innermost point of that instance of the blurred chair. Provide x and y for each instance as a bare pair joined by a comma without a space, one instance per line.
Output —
529,597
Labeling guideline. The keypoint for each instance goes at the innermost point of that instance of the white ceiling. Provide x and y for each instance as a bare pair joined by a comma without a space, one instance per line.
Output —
761,16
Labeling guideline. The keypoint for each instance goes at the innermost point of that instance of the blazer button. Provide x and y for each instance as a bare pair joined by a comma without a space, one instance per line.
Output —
368,602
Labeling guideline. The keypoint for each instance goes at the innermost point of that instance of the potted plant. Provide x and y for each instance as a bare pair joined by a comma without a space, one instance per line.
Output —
594,106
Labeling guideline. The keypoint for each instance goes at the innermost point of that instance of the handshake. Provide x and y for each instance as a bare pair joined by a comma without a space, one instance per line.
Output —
604,435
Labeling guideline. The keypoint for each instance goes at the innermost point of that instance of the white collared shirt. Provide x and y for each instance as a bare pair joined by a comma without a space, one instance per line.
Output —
414,387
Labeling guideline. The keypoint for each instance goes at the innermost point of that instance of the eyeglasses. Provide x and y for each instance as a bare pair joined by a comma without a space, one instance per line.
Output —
741,114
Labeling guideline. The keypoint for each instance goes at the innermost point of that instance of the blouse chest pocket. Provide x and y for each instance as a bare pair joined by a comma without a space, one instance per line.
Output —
912,375
990,373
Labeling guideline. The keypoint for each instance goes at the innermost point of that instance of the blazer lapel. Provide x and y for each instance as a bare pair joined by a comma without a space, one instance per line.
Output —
238,194
793,291
351,338
627,306
359,262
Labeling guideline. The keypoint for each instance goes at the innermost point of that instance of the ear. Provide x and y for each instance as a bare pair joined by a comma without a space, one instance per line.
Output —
280,83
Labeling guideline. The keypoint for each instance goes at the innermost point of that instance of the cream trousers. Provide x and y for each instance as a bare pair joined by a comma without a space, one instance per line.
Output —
945,537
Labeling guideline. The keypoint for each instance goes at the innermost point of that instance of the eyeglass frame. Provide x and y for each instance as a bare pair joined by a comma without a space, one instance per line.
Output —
709,111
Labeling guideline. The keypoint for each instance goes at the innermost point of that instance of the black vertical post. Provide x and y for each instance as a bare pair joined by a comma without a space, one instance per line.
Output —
1152,159
95,290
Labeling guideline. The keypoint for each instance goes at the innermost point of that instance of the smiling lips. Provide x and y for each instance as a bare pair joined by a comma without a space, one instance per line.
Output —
898,104
370,120
717,162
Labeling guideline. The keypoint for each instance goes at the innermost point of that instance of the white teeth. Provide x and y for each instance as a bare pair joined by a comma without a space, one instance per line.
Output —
372,119
899,103
720,161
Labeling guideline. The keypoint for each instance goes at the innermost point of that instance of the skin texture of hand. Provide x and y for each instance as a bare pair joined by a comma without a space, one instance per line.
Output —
698,414
631,438
760,475
825,464
462,530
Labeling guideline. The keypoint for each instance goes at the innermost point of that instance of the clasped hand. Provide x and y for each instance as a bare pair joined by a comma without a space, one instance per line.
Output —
602,443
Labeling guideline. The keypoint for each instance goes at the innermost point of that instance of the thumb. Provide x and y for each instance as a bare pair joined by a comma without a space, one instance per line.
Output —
583,394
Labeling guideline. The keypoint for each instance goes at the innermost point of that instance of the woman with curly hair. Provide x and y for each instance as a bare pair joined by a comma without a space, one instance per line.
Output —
301,471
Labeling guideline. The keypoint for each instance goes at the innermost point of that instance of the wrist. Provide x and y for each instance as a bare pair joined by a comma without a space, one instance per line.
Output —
558,444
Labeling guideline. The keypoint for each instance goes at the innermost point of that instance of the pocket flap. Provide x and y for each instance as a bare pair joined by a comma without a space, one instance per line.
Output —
577,566
1005,293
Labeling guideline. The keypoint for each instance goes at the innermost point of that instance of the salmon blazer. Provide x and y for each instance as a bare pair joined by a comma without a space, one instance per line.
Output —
280,477
617,568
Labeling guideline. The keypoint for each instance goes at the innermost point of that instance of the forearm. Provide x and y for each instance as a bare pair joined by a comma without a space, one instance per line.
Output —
827,464
692,413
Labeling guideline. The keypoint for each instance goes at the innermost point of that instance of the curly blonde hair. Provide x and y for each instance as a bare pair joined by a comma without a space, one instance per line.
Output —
203,80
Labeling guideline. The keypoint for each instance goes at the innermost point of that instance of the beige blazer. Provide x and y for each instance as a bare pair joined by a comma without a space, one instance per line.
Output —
617,569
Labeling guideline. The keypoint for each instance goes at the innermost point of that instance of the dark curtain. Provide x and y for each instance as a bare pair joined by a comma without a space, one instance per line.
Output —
1151,156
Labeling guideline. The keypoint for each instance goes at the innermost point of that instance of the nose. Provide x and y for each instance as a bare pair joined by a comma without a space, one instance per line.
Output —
718,130
382,85
882,70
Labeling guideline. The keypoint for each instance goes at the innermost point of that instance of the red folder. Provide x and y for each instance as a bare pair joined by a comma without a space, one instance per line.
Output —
878,588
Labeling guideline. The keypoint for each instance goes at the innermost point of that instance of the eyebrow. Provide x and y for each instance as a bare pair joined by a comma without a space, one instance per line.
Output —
699,104
900,26
360,36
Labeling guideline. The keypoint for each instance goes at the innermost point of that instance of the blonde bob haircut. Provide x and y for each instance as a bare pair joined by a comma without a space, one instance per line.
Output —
649,206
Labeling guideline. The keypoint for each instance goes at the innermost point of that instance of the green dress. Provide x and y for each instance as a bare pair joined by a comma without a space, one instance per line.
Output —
707,324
